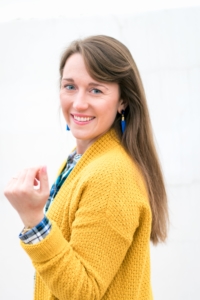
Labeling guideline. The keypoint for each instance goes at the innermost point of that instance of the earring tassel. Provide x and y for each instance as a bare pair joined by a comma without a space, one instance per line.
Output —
123,122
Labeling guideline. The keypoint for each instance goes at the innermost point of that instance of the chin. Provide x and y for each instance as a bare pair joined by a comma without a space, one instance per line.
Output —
81,135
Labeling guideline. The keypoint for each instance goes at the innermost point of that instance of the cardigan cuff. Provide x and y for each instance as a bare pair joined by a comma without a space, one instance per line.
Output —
47,249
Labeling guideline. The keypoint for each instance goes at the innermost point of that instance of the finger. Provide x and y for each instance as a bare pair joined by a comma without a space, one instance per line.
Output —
29,178
14,181
11,187
8,188
44,181
19,179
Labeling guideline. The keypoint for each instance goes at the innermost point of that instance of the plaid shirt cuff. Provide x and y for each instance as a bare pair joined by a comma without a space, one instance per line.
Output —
37,233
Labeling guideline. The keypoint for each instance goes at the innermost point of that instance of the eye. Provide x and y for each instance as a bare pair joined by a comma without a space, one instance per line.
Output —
69,87
96,91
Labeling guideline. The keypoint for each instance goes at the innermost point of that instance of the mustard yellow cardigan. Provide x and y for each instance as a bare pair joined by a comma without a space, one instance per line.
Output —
98,247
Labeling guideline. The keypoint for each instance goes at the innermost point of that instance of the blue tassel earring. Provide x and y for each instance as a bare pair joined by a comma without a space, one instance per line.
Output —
123,122
67,128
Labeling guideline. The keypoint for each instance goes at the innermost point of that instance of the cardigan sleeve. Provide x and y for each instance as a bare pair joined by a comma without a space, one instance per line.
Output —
105,222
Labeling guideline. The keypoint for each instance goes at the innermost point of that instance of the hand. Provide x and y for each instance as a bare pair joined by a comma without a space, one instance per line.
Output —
28,201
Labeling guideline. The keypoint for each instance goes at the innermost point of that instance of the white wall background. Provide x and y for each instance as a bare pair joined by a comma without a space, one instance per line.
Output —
166,48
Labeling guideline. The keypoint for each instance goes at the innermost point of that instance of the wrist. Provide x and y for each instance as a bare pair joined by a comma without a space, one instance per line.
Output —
32,222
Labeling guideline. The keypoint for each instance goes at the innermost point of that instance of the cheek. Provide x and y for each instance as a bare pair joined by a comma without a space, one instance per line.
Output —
112,109
63,101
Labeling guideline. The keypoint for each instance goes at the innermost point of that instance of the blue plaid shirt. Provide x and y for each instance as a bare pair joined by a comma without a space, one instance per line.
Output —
40,231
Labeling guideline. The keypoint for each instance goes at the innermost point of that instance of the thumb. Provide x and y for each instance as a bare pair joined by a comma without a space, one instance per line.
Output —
44,181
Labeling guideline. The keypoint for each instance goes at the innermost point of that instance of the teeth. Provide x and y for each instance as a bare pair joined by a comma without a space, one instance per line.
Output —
82,119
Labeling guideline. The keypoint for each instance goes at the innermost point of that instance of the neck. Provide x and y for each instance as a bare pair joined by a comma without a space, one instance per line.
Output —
83,145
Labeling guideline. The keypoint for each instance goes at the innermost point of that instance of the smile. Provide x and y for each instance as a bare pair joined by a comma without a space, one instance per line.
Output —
82,119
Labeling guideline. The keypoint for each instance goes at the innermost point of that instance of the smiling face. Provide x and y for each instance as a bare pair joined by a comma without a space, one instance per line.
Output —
89,107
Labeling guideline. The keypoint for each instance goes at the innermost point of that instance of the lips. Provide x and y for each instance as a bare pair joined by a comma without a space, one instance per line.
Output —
82,119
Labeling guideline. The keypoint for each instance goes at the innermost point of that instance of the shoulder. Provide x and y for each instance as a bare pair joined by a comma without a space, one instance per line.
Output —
116,168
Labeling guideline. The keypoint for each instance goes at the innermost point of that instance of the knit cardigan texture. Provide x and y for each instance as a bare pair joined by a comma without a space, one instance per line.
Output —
98,247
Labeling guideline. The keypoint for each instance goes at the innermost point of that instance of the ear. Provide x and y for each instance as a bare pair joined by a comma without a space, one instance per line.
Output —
121,106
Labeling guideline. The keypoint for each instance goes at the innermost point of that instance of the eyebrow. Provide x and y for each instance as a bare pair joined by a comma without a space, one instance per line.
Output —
90,84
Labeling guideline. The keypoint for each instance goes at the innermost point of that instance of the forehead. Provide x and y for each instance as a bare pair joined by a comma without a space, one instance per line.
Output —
75,63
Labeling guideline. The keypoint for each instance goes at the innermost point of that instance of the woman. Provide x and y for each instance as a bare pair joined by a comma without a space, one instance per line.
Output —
109,199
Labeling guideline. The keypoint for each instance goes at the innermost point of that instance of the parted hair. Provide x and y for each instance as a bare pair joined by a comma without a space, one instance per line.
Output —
108,60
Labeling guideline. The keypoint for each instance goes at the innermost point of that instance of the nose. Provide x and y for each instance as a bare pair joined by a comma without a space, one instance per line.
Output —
80,101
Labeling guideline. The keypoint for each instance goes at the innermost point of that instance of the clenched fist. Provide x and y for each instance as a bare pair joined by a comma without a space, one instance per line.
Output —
25,198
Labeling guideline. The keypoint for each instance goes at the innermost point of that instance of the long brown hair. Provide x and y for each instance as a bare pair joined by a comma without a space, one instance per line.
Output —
108,60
